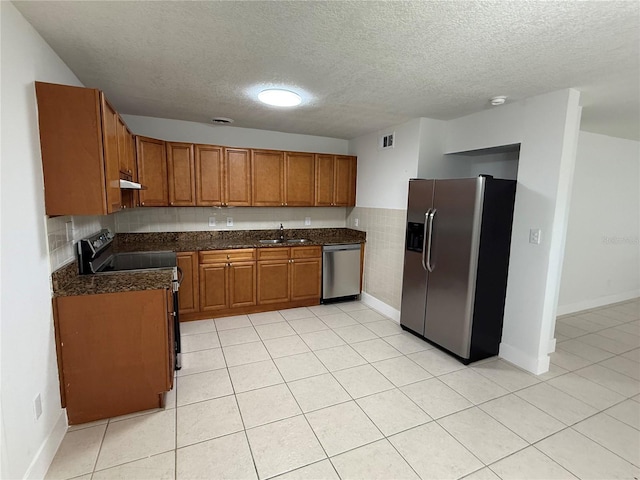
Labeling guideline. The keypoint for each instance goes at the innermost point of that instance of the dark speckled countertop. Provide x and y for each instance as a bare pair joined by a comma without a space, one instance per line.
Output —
67,282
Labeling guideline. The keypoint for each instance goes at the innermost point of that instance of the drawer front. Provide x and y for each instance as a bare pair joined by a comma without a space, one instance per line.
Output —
306,252
220,256
273,253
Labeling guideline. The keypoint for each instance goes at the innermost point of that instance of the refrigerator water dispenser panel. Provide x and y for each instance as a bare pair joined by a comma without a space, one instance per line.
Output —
415,236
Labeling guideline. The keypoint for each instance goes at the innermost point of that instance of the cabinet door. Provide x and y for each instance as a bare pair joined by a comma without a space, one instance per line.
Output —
299,179
267,173
273,281
189,289
123,155
181,178
237,177
171,340
324,180
306,278
344,181
152,172
242,284
209,169
214,287
111,159
131,152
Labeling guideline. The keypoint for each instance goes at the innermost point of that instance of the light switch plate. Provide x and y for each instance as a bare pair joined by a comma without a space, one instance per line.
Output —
535,236
212,221
229,221
356,222
307,221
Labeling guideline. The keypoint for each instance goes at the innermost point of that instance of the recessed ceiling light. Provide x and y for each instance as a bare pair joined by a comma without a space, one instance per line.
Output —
222,120
499,100
279,97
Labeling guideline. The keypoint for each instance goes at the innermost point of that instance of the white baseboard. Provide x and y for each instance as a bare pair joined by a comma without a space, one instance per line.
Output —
597,302
48,449
380,306
535,365
552,345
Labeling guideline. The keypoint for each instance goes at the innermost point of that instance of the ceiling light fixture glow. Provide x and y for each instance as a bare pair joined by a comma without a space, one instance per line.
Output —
279,97
499,100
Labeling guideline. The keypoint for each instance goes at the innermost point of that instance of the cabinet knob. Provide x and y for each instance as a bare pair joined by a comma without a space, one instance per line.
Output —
142,203
129,170
170,203
228,257
285,203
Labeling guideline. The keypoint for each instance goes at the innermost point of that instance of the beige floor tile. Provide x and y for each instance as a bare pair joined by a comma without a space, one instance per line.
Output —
232,323
308,325
554,371
127,416
626,338
392,411
605,321
505,375
202,421
245,353
633,355
556,403
623,365
627,412
375,350
561,338
401,371
376,461
569,331
296,313
283,446
338,320
483,474
604,343
80,426
406,343
299,366
568,361
362,380
170,396
530,464
321,339
582,322
482,435
436,398
237,336
342,427
158,467
473,386
320,470
434,453
197,326
624,315
226,457
614,435
137,438
385,328
77,453
320,310
201,361
611,379
436,362
285,346
366,315
265,318
524,419
339,358
584,457
200,341
203,386
584,350
274,330
632,328
355,333
254,375
351,306
267,405
587,391
318,392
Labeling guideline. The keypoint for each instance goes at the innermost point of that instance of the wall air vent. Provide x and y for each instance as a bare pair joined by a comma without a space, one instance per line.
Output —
386,140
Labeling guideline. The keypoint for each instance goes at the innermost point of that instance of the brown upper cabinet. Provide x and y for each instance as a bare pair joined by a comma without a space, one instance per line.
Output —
181,174
152,171
237,177
80,158
209,162
267,173
335,180
299,179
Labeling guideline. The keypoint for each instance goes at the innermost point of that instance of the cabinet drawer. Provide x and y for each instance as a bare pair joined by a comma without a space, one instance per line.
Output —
218,256
273,253
306,252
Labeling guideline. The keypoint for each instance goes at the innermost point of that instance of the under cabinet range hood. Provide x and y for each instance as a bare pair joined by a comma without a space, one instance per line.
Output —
128,185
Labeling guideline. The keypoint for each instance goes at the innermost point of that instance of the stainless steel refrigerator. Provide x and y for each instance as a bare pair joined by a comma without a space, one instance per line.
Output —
456,261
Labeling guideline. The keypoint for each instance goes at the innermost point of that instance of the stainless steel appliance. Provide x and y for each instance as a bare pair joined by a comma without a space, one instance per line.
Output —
96,256
456,261
340,271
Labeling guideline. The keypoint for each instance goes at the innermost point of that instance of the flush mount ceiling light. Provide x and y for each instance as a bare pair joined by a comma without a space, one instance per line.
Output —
279,97
499,100
221,120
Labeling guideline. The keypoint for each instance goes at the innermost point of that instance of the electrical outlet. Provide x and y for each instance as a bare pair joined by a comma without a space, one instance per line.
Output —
307,221
37,406
535,236
212,221
229,221
356,222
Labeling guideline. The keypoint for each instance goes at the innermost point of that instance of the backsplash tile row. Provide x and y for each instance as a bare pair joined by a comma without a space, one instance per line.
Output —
384,251
194,219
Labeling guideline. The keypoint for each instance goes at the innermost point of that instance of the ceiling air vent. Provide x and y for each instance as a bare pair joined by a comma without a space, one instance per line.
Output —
386,140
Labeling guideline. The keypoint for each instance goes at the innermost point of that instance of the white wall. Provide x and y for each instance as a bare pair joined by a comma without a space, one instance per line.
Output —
28,352
546,126
602,255
182,131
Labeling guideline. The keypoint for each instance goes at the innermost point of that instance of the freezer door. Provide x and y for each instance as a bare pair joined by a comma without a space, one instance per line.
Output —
455,239
414,281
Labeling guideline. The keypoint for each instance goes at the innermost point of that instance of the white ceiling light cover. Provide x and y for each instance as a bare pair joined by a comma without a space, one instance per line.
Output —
278,97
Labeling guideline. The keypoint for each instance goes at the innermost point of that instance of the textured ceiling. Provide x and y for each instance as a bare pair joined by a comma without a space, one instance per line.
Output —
363,65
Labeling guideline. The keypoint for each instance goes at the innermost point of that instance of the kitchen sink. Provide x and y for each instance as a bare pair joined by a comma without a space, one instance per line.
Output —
271,242
297,240
277,240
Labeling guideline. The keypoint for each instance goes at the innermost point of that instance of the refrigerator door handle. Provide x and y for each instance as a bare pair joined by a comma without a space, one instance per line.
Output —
432,215
425,234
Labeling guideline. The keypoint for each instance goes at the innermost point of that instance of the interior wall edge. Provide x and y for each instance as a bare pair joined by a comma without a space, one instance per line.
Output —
598,302
44,456
380,306
535,365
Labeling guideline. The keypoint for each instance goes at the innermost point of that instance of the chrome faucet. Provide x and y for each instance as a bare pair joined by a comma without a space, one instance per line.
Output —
281,233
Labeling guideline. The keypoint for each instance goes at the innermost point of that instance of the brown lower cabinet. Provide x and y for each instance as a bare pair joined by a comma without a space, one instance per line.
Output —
289,274
115,352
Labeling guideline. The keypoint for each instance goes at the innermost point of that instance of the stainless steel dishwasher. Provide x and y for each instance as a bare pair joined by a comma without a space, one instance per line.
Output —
340,271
